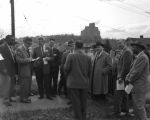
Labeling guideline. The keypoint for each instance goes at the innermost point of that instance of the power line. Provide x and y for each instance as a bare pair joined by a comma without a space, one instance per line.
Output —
145,11
126,9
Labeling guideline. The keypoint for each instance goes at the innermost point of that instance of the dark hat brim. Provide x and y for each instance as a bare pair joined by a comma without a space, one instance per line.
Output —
138,45
27,41
98,44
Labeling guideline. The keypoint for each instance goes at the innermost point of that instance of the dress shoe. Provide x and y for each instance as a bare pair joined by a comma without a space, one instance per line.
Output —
31,94
116,115
41,97
11,100
26,101
50,98
7,104
69,103
53,95
130,114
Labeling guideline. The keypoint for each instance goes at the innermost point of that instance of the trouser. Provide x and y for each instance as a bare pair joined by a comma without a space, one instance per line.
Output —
46,83
121,103
12,85
139,105
39,79
79,102
62,84
54,79
24,87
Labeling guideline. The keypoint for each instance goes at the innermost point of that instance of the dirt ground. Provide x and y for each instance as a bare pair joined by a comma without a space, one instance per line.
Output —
56,109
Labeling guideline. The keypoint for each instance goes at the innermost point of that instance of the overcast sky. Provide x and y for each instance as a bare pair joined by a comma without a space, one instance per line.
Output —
115,18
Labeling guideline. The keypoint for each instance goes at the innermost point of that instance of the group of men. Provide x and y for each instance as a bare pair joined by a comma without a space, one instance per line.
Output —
133,71
79,73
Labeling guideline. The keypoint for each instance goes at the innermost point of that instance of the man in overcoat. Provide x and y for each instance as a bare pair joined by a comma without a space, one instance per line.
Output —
7,51
24,61
138,78
78,69
102,65
121,103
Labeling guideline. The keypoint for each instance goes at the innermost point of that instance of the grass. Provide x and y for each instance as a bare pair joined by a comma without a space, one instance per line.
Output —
95,111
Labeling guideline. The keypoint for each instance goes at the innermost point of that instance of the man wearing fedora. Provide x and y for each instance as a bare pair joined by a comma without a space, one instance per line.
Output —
121,104
24,61
137,77
78,69
7,51
43,82
101,67
63,77
54,63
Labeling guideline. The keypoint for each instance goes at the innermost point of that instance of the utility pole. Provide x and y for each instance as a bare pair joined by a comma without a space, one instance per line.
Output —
12,18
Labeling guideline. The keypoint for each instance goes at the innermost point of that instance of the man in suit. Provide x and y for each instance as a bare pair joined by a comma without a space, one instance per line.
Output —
63,77
99,77
43,84
121,104
78,69
54,64
138,78
24,61
6,49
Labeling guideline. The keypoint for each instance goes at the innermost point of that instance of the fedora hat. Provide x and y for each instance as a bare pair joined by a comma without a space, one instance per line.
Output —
139,45
27,40
98,44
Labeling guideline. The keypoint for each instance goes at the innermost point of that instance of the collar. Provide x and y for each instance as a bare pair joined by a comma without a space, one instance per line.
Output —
139,54
25,47
78,51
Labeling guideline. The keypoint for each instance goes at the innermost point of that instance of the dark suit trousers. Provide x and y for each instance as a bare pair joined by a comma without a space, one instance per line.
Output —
46,83
43,83
54,79
79,102
121,103
12,86
24,87
62,83
39,79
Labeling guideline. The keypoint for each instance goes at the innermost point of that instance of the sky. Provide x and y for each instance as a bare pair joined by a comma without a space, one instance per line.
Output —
114,18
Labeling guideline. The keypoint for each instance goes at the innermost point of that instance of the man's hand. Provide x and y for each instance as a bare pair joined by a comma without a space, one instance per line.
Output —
120,81
127,82
48,58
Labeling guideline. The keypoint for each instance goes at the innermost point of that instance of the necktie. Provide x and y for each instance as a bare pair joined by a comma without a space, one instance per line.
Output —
28,51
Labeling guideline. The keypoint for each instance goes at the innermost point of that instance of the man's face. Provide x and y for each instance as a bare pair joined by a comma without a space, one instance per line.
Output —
99,49
28,45
41,42
121,45
51,43
135,50
10,40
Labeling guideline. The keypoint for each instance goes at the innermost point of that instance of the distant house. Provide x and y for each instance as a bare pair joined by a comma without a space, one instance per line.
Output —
143,40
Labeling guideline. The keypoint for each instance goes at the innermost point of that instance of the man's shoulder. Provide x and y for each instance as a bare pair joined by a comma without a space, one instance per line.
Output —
37,48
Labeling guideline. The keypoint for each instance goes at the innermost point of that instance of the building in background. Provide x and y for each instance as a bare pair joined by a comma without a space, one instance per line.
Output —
141,39
90,34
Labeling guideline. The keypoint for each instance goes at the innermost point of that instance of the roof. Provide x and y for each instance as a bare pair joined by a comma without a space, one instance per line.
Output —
143,40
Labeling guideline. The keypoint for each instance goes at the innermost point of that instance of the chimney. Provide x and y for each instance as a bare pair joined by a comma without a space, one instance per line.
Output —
141,37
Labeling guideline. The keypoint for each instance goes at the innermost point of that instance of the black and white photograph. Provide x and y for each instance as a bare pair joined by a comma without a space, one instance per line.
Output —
75,60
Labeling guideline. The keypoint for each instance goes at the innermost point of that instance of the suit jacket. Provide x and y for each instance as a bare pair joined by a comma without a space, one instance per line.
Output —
139,72
63,60
78,68
9,59
124,63
102,65
24,65
38,52
56,58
